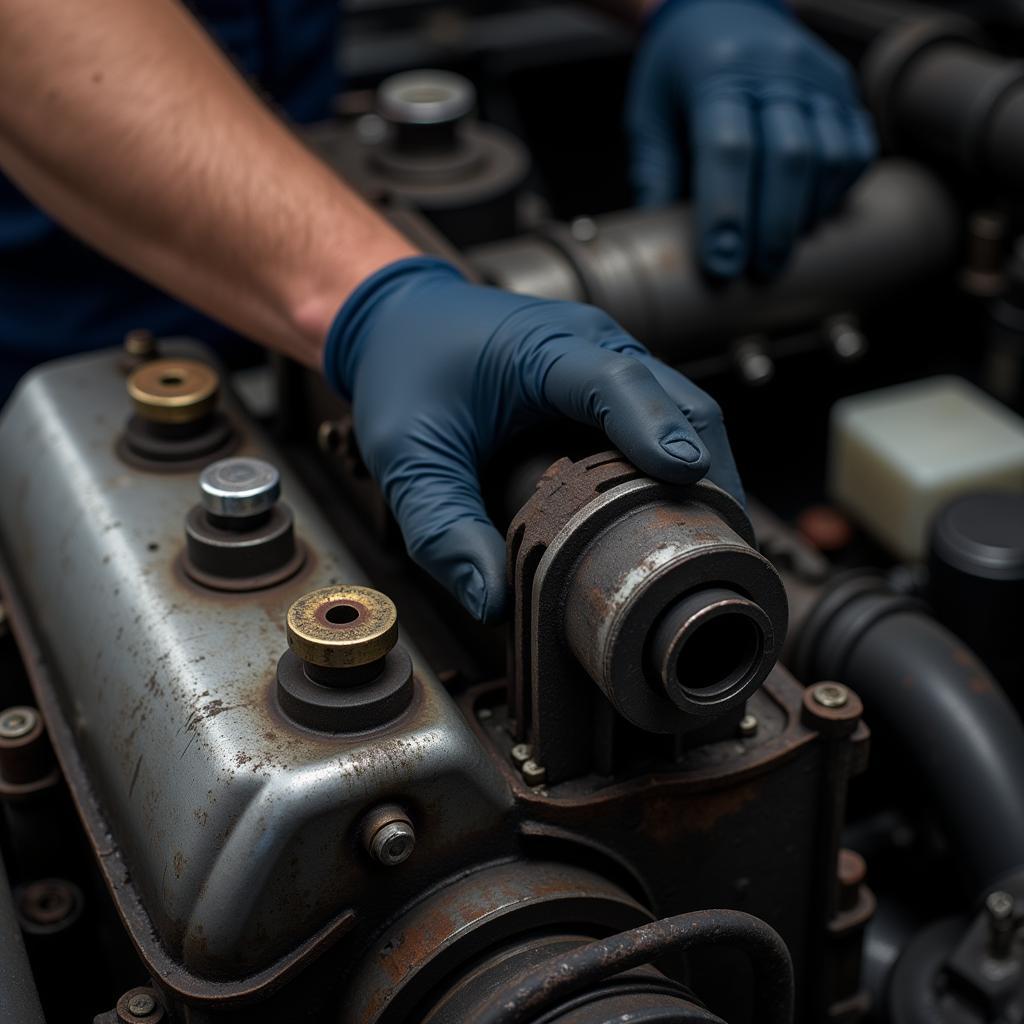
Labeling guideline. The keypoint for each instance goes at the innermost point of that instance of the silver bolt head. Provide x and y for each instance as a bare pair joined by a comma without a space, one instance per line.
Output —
521,753
142,1004
239,487
393,843
425,97
534,774
1000,905
831,695
748,725
17,721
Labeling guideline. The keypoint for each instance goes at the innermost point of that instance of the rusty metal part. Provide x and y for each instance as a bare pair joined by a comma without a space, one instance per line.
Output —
26,760
441,936
342,626
242,554
180,687
174,391
139,1006
530,997
654,592
830,695
388,835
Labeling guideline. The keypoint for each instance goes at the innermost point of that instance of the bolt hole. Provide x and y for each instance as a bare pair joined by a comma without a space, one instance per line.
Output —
718,654
172,380
341,614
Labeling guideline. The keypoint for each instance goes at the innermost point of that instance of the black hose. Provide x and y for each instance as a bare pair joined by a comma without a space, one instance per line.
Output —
19,1000
955,723
528,997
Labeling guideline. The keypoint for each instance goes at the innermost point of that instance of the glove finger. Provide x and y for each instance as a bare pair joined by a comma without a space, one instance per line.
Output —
723,137
843,153
705,414
620,395
435,495
654,156
787,174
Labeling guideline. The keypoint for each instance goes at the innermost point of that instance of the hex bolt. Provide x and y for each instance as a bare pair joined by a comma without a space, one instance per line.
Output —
748,725
1000,909
392,843
142,1004
17,721
533,774
239,488
521,753
830,695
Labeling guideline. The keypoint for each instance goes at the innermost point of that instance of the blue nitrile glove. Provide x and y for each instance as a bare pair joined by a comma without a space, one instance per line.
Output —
441,372
776,131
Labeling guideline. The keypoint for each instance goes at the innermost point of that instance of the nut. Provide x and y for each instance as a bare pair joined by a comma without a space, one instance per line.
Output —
748,725
342,626
521,753
393,843
830,695
142,1004
173,390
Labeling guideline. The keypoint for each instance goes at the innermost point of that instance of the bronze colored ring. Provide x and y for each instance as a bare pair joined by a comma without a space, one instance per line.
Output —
173,390
342,626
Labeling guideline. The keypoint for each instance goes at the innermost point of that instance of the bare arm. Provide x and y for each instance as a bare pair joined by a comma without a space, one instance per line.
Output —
125,123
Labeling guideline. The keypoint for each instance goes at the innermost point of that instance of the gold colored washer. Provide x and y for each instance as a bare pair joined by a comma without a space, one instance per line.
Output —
342,626
173,390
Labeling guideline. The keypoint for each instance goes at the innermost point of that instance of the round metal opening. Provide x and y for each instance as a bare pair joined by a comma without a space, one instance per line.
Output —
341,614
719,653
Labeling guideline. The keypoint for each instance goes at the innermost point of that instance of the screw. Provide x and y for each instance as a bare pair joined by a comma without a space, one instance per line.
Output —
830,695
17,722
583,229
1000,907
521,753
142,1004
393,843
533,774
748,725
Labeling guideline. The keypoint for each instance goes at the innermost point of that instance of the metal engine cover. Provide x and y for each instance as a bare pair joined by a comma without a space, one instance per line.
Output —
229,836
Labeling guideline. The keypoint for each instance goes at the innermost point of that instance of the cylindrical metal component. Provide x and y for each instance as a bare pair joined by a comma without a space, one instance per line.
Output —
240,487
389,836
25,754
976,578
174,391
954,723
672,601
898,225
342,627
423,108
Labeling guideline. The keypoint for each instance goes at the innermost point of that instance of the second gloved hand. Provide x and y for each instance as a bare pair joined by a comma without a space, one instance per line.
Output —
775,129
442,372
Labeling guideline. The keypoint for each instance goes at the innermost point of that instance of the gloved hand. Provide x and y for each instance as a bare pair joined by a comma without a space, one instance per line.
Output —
775,128
441,372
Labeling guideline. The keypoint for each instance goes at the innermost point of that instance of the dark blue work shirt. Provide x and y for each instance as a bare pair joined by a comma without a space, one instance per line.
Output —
58,296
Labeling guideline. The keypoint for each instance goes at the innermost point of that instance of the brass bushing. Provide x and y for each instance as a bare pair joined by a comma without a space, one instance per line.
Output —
342,627
173,390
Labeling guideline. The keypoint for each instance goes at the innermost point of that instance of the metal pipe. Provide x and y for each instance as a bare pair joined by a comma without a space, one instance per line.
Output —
530,996
898,226
952,719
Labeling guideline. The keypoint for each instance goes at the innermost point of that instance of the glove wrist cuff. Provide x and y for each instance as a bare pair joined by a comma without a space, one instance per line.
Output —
346,339
666,7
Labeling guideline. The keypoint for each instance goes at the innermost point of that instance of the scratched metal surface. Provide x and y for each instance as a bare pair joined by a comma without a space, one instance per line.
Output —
240,829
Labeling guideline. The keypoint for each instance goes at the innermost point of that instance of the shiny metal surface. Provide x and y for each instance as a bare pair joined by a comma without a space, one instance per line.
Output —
238,487
238,830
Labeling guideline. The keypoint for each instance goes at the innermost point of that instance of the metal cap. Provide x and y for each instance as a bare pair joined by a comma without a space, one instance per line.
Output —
173,390
239,487
342,626
425,97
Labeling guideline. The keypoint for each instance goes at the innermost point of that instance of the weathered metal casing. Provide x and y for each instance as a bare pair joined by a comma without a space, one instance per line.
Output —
229,835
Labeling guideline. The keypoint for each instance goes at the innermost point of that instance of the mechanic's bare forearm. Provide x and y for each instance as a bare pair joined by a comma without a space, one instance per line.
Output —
130,128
